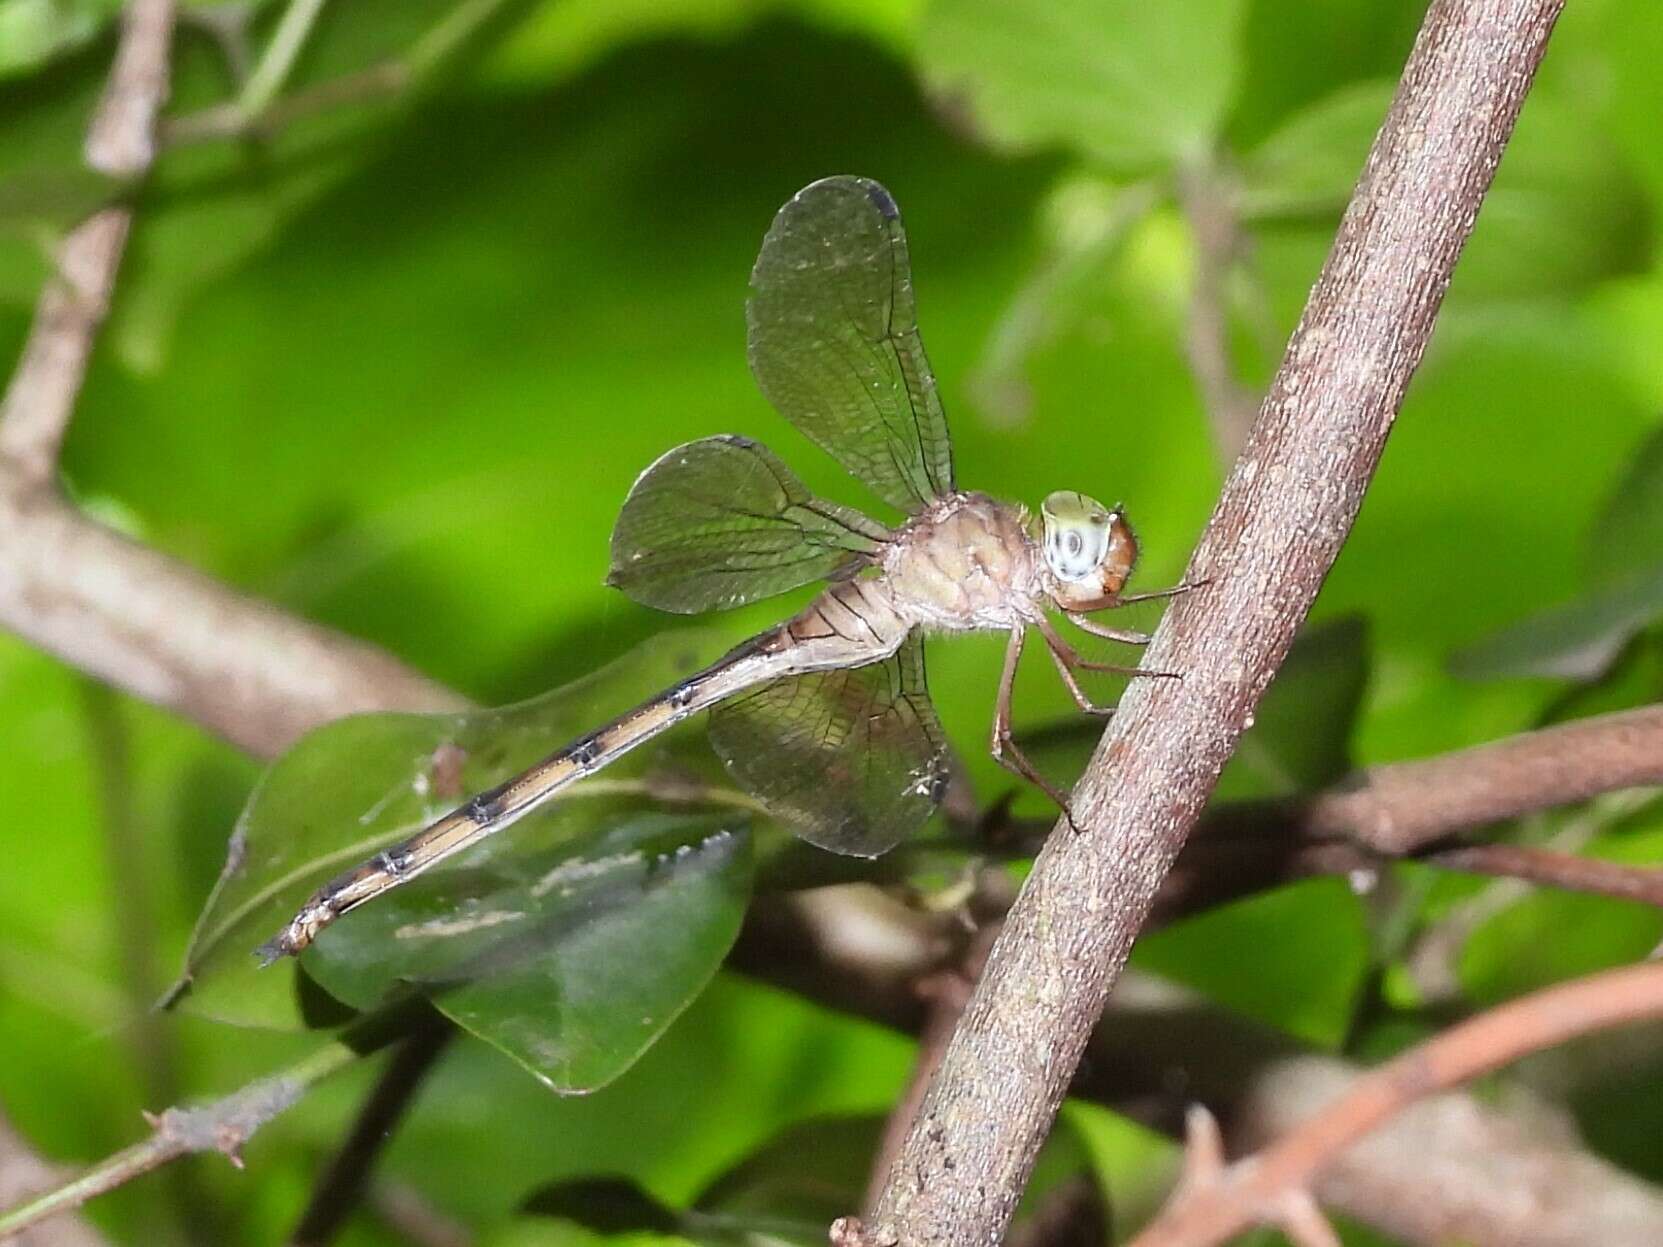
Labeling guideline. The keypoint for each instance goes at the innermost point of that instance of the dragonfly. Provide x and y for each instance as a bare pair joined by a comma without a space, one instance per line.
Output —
825,719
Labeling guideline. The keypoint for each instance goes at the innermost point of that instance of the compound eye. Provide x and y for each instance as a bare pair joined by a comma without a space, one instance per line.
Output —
1074,545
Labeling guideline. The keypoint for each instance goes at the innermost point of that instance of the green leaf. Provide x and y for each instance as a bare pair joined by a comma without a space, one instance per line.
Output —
1132,85
1582,639
1564,211
1311,163
34,31
1552,936
354,786
1628,535
1301,734
1562,214
571,954
1575,640
1293,958
1086,222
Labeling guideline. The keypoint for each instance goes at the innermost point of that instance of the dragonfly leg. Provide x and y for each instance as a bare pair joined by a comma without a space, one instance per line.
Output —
1005,749
1156,594
1077,611
1065,655
1127,636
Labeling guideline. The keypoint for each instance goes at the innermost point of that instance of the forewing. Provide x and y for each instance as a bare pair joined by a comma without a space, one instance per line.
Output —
721,522
853,760
834,340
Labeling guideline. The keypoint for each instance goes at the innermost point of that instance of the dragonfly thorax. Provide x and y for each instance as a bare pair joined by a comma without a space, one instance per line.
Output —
965,562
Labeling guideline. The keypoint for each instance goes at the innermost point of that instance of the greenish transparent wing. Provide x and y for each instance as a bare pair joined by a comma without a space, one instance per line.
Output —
834,340
853,760
721,522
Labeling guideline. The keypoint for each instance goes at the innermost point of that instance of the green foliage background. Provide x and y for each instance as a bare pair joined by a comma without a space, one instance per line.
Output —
396,370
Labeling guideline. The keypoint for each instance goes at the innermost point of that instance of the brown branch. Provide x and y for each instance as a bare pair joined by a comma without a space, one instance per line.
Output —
1403,807
1252,1190
170,635
344,1181
1283,515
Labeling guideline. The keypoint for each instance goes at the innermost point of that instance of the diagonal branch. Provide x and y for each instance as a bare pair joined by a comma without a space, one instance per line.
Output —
1283,516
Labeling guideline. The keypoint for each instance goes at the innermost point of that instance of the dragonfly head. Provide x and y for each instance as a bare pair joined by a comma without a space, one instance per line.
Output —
1089,548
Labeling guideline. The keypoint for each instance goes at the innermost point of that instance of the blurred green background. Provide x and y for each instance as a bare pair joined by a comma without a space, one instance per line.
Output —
396,367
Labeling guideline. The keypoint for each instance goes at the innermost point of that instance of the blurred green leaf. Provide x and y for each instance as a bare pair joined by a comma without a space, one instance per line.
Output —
34,31
1563,212
795,1186
1581,639
1552,936
354,786
1575,640
1628,533
1293,958
1131,85
1310,164
1085,223
1300,739
573,953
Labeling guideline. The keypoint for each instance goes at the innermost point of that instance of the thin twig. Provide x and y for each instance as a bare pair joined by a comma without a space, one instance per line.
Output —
1279,525
259,112
223,1126
1251,1190
169,634
122,138
282,49
1208,202
343,1183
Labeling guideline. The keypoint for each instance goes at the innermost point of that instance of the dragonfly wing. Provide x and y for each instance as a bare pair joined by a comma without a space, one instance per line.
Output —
853,760
834,340
721,522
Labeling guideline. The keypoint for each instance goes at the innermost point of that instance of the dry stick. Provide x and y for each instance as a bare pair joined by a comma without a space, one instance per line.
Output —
1277,529
1249,1191
342,1185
